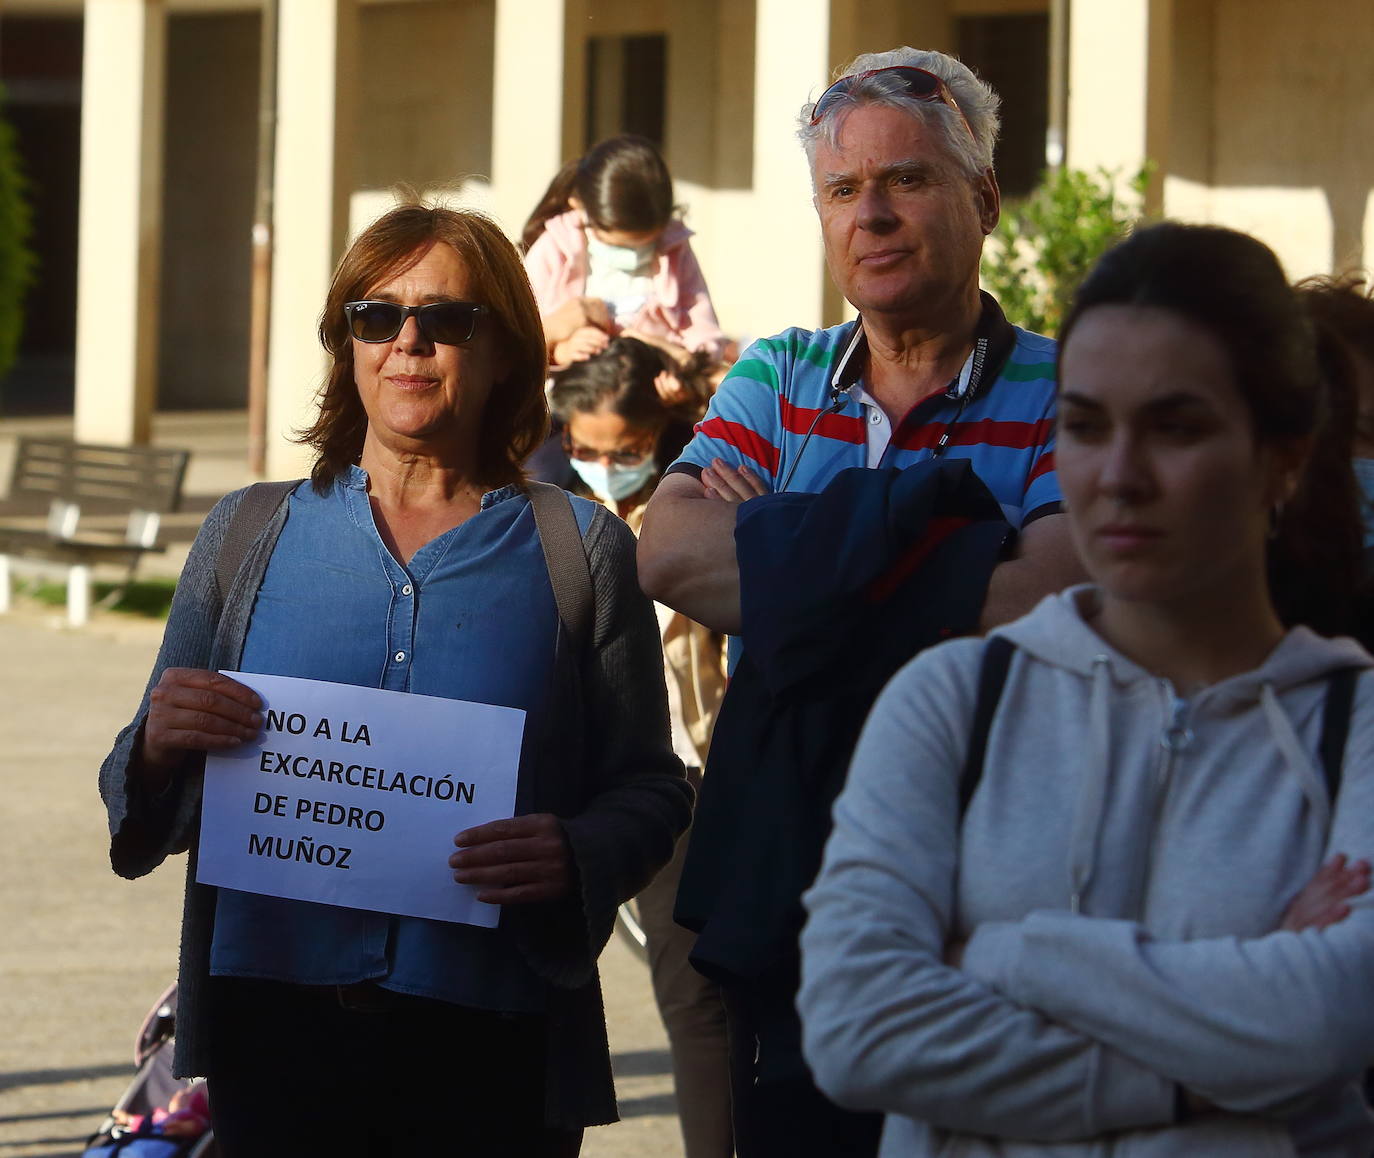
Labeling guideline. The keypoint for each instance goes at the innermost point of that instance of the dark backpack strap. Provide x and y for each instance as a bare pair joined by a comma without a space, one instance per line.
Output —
992,674
1340,698
566,559
259,504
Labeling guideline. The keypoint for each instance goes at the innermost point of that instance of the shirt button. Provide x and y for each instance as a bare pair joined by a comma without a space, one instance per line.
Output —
400,657
874,417
406,590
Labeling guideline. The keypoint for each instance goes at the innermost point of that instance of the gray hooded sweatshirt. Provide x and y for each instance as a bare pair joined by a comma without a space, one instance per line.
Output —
1118,878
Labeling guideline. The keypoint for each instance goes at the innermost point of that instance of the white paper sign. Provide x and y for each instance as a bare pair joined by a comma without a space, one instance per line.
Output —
353,797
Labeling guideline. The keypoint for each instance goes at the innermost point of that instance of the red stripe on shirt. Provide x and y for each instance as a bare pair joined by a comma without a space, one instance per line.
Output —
841,427
904,566
984,432
748,442
1043,465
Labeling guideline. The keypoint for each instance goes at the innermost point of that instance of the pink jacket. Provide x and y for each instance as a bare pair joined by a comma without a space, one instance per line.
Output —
679,308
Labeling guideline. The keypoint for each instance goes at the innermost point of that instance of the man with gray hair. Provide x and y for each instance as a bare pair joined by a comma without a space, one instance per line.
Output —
901,152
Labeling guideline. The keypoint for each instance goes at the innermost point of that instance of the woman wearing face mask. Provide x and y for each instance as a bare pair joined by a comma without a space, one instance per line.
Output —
1120,905
607,255
618,432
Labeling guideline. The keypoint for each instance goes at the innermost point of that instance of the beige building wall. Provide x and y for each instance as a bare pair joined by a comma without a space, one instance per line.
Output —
1294,122
319,64
425,91
120,241
715,178
413,132
538,78
1257,114
1109,84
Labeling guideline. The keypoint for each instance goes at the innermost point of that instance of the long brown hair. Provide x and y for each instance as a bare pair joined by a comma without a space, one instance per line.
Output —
515,419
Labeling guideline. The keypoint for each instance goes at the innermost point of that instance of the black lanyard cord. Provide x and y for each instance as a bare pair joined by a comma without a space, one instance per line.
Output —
846,376
810,430
949,428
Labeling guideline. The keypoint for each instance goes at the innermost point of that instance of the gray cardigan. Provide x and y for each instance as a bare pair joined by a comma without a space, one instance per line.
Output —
605,767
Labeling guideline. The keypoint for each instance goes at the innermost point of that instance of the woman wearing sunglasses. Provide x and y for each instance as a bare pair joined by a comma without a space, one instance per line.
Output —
1087,940
410,561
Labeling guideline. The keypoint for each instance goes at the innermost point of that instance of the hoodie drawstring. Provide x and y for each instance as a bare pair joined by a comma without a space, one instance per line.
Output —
1092,800
1295,755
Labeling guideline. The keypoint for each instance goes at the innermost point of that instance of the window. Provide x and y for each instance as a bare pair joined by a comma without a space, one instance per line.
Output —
626,86
1011,53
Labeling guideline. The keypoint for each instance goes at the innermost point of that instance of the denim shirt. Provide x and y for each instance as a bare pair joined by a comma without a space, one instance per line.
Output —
471,617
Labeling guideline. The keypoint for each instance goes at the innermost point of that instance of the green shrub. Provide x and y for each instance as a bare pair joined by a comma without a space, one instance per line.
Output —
150,598
1046,243
16,259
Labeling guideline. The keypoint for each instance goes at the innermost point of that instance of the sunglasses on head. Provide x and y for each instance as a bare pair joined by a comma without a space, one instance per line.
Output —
915,82
446,323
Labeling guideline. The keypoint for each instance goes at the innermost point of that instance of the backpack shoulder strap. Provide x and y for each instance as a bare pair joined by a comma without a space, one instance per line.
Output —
259,504
566,558
992,674
1340,698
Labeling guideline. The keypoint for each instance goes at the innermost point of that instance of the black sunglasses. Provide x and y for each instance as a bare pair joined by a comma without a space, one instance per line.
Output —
915,82
447,323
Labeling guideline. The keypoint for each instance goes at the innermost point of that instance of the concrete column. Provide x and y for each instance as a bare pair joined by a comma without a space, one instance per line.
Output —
530,136
120,219
1120,87
317,49
792,64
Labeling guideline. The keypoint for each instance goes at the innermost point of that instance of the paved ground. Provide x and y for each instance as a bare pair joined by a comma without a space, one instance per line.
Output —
83,954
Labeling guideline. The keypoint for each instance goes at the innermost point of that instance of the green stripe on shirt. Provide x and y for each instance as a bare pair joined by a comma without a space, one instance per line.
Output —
756,370
1028,371
818,353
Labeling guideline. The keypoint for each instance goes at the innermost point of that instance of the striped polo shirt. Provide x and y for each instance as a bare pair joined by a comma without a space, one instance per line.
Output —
781,388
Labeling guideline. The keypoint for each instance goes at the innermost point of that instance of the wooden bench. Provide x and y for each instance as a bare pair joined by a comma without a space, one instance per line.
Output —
101,484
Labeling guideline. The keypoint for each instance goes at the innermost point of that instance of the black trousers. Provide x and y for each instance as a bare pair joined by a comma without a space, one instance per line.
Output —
778,1111
357,1072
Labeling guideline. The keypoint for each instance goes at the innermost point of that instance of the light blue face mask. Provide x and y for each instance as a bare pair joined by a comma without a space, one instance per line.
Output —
1364,476
612,483
620,258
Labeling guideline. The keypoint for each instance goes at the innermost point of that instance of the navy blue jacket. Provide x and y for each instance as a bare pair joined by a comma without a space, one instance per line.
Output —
838,590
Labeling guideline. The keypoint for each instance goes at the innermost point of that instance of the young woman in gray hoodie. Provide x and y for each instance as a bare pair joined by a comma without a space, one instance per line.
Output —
1102,953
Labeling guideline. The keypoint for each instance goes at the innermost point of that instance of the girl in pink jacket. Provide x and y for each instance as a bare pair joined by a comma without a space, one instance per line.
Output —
607,255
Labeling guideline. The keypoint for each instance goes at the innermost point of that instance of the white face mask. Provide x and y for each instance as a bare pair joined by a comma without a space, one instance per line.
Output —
612,483
620,258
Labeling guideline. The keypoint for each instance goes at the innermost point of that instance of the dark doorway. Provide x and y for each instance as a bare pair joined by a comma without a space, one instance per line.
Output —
208,181
1011,53
40,66
627,82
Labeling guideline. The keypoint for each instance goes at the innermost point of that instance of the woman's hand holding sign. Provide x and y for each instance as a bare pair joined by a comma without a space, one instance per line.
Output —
519,861
195,710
